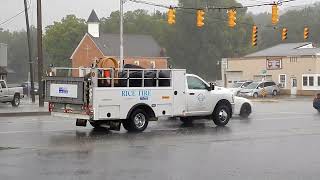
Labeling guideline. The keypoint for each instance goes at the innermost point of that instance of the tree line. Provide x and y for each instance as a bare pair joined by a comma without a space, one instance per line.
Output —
197,49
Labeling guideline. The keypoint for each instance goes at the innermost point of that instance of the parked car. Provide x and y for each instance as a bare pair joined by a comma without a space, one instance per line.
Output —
27,87
236,87
242,106
255,89
316,102
12,95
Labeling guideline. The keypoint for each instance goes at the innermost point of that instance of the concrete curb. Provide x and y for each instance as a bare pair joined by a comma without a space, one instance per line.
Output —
264,100
19,114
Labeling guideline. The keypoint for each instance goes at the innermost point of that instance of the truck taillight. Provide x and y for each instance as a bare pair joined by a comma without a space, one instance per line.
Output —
88,109
68,110
50,106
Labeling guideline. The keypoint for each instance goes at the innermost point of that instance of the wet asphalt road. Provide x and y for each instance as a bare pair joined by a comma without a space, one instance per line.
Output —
279,141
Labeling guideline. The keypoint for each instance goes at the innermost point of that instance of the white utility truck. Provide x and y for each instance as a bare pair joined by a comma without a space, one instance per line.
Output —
133,97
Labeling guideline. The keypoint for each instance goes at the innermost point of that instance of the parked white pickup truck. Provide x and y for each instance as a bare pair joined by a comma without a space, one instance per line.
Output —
133,97
12,95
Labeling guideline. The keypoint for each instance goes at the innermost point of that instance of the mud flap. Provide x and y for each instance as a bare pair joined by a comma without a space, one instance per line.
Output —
81,122
114,125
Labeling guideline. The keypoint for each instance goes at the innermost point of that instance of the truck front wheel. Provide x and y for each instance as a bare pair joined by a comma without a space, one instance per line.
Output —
16,101
138,121
221,115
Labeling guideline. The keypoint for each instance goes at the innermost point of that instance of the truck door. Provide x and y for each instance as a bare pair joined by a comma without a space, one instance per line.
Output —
179,93
198,96
3,91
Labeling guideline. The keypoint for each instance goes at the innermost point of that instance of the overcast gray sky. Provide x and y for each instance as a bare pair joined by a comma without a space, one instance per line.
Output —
54,10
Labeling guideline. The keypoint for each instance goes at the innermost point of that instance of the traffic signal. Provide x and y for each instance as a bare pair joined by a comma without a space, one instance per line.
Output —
232,13
254,35
306,33
200,18
171,16
284,34
275,14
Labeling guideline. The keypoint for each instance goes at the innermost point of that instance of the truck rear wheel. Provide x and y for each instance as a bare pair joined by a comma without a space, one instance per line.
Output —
186,120
95,124
221,115
138,121
16,100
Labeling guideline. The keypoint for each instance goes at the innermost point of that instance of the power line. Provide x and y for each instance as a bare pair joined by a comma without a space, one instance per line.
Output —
11,18
280,2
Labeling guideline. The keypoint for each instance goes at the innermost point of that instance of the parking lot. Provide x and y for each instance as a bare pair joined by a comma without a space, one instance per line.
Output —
280,140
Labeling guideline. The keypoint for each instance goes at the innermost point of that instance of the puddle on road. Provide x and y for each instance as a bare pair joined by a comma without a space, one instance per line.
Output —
7,148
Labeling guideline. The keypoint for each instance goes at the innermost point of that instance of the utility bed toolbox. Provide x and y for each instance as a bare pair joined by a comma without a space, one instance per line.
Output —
66,89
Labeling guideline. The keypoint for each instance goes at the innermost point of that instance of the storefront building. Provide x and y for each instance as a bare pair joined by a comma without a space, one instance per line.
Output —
294,66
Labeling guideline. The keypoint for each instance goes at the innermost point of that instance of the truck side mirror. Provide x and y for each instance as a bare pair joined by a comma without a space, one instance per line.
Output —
211,87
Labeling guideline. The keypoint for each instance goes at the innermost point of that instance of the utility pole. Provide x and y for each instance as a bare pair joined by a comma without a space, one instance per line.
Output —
121,34
30,52
40,53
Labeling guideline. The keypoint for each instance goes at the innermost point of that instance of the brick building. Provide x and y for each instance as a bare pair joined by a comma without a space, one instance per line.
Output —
141,50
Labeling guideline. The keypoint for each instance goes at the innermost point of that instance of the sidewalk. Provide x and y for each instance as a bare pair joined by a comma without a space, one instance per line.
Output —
281,98
26,108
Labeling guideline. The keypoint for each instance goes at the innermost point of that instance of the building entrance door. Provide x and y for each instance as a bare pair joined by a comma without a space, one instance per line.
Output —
293,86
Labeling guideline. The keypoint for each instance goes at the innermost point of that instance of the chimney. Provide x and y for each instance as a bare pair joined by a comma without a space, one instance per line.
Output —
93,24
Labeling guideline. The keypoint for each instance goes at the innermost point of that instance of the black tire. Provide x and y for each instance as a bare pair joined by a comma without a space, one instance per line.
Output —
138,121
95,124
221,115
186,120
126,125
16,100
275,93
255,95
245,110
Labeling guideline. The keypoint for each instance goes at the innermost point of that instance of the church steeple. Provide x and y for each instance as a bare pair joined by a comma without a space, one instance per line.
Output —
93,24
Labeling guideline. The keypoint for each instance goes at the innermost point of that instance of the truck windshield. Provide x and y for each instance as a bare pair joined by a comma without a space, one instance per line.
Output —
3,85
252,85
236,85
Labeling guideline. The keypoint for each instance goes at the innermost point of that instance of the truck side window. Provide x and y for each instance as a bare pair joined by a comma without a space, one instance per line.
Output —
195,83
262,85
3,85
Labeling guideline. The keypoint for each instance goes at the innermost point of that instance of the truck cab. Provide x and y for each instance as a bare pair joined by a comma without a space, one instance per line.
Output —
133,97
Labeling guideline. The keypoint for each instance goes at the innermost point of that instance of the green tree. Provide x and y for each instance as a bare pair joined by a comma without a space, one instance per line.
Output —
198,50
18,53
62,38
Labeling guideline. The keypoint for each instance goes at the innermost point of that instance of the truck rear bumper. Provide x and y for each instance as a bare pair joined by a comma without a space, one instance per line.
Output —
70,115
